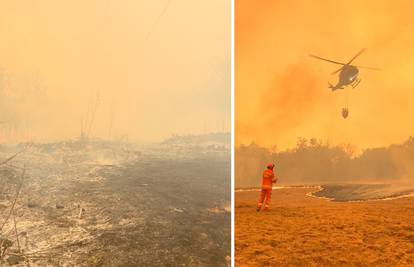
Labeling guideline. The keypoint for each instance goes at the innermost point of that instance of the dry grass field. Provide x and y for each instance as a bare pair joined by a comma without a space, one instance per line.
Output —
301,230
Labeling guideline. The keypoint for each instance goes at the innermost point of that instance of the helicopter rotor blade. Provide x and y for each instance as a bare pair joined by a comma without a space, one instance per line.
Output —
338,70
368,68
335,62
357,55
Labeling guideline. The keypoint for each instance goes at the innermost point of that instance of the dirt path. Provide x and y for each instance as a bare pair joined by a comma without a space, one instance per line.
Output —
306,231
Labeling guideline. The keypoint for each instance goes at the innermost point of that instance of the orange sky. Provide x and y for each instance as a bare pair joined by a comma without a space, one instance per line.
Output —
281,93
56,55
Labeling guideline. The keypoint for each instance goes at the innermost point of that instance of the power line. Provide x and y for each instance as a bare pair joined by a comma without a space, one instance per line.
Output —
158,19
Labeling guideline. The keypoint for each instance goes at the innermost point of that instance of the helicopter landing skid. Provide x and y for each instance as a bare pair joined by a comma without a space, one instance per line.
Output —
355,83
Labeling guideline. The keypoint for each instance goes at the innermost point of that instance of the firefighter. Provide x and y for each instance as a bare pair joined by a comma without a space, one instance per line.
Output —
267,182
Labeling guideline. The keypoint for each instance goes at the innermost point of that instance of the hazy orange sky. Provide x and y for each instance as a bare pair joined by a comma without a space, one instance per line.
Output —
157,72
281,92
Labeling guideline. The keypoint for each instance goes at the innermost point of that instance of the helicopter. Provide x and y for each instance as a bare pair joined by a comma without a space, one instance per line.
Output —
348,74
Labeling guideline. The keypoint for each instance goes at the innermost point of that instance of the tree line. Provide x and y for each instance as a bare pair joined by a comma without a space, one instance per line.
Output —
312,161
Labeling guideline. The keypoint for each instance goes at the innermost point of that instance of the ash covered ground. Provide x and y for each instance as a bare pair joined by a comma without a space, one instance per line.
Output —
364,192
102,203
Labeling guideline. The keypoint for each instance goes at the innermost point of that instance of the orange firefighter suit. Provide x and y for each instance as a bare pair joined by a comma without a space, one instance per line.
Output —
266,193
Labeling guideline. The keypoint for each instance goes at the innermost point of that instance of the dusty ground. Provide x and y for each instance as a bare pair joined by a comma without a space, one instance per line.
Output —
300,230
139,210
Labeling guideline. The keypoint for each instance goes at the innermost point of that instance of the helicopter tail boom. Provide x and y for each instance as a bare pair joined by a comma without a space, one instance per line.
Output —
334,87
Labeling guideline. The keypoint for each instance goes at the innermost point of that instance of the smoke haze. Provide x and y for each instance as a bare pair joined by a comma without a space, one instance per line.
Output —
281,92
149,68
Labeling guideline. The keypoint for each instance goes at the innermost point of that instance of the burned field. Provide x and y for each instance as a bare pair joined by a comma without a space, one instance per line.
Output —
364,192
104,204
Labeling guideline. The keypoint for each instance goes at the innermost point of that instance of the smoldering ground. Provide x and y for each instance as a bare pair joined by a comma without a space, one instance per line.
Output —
111,204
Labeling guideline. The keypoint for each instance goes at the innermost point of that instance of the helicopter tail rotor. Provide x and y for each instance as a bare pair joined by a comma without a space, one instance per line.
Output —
331,86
